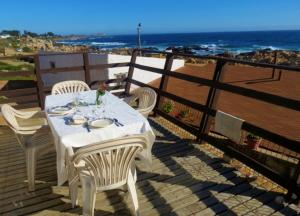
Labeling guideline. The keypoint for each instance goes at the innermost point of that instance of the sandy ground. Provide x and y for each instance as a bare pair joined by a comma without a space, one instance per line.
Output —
277,119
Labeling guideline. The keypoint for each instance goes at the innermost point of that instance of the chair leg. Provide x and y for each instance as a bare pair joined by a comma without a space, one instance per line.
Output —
132,190
31,166
89,195
73,191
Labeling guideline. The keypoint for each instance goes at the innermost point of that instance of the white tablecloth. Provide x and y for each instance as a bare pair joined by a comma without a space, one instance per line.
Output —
78,136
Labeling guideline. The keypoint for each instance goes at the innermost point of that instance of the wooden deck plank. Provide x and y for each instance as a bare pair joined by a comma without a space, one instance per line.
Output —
185,179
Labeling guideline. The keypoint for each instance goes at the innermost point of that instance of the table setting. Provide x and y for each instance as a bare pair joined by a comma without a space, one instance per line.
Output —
83,118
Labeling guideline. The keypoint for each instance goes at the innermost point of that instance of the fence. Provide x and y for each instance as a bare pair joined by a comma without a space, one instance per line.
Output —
265,161
258,160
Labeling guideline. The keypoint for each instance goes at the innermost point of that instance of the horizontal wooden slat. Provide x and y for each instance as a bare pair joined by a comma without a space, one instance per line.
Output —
246,159
21,99
231,60
16,57
16,73
62,69
177,75
27,105
273,137
176,98
270,98
181,124
112,65
18,92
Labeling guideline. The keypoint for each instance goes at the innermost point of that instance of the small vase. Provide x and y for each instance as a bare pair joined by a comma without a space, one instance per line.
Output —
98,100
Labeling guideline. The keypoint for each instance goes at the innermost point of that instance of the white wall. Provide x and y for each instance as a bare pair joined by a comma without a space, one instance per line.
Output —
70,60
138,74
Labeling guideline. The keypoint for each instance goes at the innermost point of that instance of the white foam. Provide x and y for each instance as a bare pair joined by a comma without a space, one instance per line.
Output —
108,43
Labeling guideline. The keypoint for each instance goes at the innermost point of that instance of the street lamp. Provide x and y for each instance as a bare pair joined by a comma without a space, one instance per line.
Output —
139,35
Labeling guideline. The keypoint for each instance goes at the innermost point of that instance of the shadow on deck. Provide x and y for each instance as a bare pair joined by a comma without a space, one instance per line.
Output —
185,179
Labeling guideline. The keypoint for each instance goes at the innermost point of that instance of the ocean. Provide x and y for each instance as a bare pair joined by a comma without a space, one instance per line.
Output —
200,43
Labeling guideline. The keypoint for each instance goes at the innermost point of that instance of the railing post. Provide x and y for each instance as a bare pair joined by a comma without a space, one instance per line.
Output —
165,78
274,62
40,85
211,100
86,65
130,71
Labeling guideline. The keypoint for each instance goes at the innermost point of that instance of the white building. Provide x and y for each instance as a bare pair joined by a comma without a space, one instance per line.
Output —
4,36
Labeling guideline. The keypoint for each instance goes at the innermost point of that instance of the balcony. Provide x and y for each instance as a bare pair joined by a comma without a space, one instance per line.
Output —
195,171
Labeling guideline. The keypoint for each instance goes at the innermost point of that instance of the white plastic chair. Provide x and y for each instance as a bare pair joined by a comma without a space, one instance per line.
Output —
32,136
104,166
146,100
70,86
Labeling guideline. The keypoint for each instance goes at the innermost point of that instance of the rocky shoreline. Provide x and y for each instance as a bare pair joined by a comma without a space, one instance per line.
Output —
29,44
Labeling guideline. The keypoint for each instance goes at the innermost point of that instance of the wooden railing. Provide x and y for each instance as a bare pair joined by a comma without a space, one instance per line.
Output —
291,182
35,96
22,97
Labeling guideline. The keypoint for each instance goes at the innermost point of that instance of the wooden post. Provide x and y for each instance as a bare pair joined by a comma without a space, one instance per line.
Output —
274,62
40,83
212,99
86,65
130,71
165,79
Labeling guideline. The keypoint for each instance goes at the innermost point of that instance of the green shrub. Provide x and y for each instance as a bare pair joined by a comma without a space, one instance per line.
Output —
27,49
168,106
184,113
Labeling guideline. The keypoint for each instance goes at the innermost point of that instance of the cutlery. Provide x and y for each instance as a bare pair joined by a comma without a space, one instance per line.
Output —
87,126
117,122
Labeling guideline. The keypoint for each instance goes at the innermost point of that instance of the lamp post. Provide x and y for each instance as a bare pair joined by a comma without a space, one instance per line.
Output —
139,36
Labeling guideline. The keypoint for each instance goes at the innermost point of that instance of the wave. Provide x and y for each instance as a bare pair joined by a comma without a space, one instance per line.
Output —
108,43
265,47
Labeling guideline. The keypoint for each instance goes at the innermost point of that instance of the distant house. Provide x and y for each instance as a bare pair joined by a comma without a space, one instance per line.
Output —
4,36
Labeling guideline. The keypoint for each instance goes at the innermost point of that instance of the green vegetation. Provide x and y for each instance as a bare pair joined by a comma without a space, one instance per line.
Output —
168,106
16,67
33,77
27,49
14,33
184,113
17,33
2,98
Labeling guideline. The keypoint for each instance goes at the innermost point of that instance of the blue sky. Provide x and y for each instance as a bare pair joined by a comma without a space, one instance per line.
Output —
156,16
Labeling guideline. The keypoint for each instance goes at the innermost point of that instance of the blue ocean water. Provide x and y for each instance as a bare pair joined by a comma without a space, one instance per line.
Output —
201,43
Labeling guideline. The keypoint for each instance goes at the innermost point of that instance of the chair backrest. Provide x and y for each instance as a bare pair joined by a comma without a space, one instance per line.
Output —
10,116
109,162
147,100
70,86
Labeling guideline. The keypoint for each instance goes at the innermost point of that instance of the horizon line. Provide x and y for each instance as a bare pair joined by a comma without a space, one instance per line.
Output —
233,31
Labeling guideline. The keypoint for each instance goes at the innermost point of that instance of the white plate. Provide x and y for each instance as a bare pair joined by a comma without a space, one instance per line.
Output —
60,110
78,120
101,123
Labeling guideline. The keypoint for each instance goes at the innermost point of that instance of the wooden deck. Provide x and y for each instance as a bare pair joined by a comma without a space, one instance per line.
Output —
186,179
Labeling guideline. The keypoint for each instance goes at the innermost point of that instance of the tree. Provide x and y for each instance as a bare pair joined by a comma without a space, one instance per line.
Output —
14,33
31,34
50,34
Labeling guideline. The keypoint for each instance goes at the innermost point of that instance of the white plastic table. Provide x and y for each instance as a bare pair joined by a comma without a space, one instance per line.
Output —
77,136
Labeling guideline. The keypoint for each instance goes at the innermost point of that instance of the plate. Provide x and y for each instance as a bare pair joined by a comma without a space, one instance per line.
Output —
60,110
101,123
78,120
